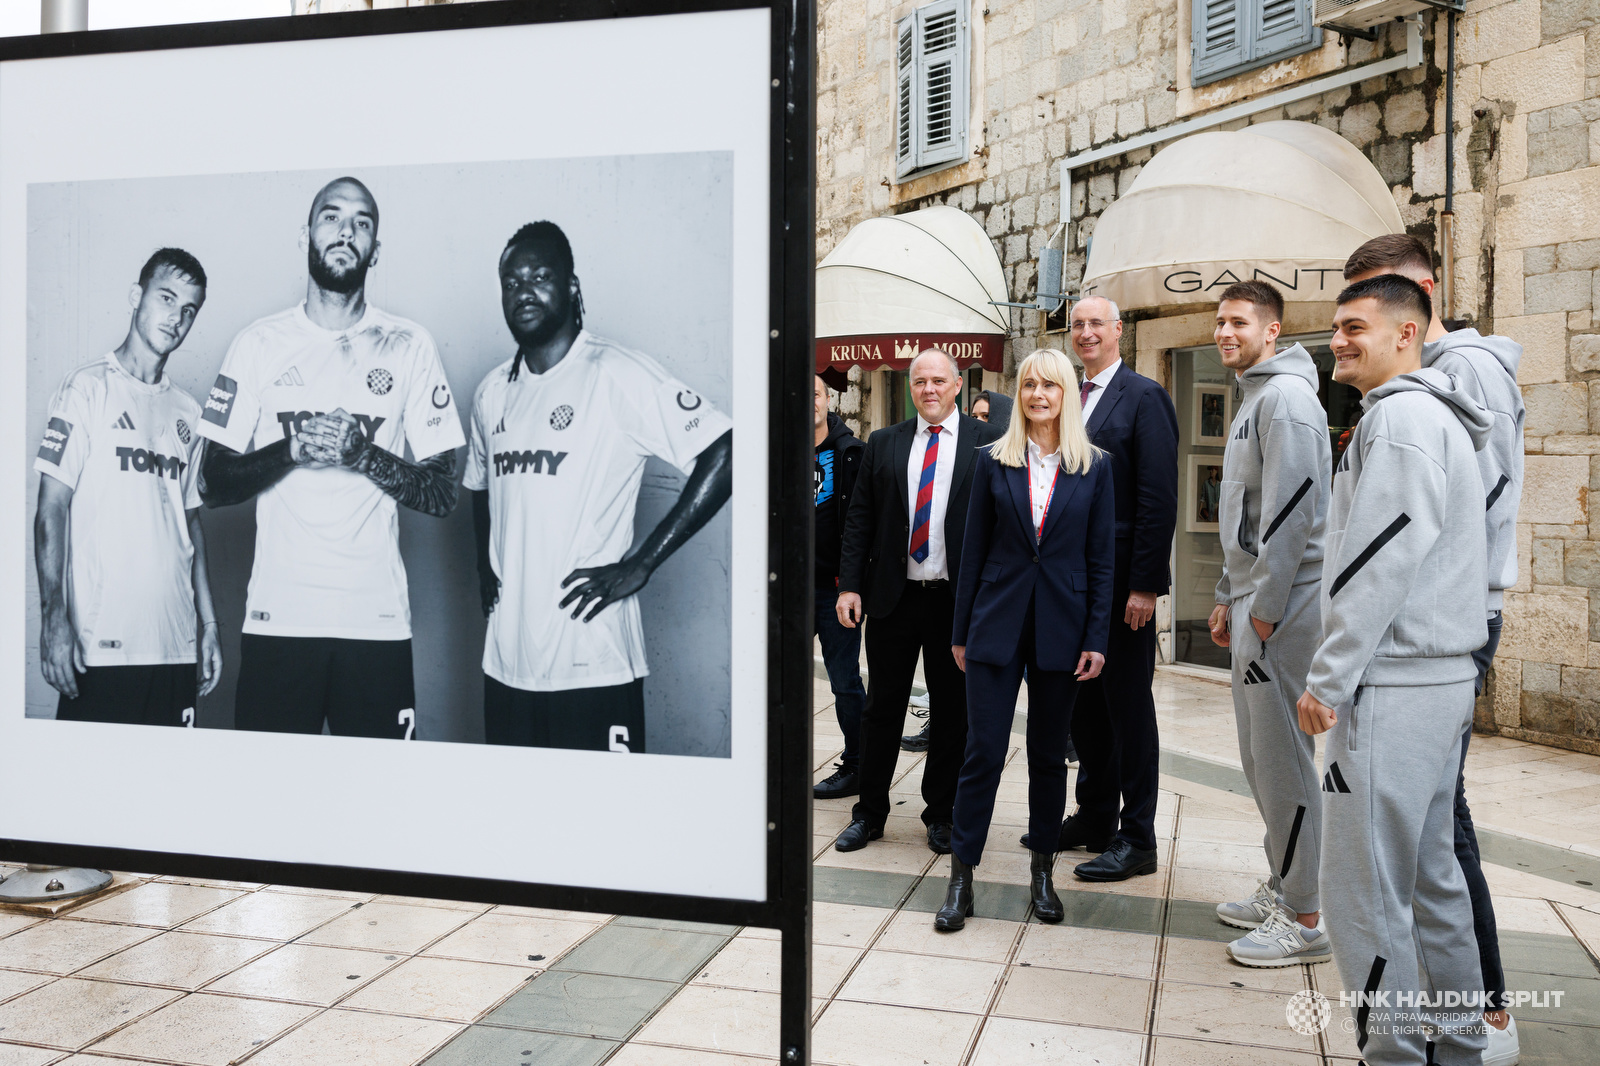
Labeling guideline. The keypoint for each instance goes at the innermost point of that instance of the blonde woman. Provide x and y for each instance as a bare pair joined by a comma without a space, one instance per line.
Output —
1035,592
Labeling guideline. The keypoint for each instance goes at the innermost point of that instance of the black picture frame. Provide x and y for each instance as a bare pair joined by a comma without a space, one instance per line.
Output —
787,906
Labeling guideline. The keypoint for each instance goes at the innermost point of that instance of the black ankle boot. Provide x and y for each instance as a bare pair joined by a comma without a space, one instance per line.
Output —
1042,891
957,900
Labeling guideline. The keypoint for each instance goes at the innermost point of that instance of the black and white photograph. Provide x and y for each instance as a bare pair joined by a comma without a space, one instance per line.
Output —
494,453
1211,414
1203,504
354,453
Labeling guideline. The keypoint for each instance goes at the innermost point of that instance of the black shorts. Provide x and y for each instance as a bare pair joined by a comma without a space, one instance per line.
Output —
360,688
610,718
133,695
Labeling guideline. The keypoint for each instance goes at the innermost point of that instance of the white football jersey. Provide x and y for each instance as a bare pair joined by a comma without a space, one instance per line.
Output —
562,455
327,558
129,452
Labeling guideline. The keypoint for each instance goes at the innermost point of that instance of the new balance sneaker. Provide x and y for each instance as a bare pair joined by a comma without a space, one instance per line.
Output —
1503,1049
1281,941
1249,913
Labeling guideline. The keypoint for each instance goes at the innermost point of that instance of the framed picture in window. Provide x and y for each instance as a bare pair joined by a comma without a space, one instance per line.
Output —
1213,410
1202,498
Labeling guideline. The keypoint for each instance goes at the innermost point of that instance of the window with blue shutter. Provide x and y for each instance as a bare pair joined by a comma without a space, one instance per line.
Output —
1228,37
931,98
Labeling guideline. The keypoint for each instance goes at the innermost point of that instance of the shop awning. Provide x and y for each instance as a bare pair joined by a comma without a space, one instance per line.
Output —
1286,202
901,283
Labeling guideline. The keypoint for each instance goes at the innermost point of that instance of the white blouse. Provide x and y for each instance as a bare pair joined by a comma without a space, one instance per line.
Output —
1042,471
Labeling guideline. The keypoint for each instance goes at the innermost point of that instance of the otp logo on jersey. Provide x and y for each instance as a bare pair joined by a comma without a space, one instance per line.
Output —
54,443
524,461
147,462
293,421
219,404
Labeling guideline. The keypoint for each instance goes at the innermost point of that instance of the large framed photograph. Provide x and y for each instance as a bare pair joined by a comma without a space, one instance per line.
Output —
1212,414
373,471
1203,494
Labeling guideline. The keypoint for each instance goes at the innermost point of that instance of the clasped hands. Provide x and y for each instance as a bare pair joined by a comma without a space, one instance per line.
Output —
332,439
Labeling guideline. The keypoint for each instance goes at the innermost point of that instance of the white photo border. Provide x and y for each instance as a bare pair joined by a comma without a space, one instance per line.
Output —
424,97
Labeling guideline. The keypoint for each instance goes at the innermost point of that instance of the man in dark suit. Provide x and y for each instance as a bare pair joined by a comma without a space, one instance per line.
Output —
1132,419
898,563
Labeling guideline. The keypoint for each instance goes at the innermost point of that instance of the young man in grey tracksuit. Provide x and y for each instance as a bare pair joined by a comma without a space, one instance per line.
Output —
1486,369
1275,476
1402,611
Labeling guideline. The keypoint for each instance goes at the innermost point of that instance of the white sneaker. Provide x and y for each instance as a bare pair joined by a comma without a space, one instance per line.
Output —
920,701
1503,1049
1249,913
1281,941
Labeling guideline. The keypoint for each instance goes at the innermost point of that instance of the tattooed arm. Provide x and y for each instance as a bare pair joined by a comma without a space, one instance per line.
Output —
428,486
226,477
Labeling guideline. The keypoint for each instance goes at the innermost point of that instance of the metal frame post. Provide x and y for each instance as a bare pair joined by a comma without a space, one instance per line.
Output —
63,16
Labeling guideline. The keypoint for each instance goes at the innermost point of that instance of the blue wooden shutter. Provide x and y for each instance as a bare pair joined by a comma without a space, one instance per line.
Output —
1284,28
940,91
905,140
1219,37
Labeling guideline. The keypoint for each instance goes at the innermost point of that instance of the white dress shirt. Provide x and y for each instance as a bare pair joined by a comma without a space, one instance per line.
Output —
937,566
1100,381
1041,480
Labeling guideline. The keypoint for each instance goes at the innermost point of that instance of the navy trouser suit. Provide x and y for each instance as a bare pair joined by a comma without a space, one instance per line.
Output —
1034,600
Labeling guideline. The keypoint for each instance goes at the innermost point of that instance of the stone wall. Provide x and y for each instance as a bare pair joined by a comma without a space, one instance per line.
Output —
1057,77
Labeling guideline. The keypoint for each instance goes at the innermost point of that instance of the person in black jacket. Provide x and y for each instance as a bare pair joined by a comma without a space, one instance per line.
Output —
900,557
1035,593
833,473
1132,420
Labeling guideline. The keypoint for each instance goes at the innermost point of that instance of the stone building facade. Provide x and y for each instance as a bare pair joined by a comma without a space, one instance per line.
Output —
1053,78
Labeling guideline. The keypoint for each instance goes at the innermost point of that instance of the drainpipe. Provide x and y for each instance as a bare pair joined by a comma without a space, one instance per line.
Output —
1408,60
1447,217
63,16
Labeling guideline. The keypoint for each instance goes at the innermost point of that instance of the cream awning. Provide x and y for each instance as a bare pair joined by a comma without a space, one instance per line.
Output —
900,282
1286,202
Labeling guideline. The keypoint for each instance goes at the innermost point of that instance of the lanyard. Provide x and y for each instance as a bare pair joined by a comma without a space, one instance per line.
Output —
1038,534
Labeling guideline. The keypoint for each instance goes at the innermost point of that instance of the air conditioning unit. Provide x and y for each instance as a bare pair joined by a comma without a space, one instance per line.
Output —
1364,14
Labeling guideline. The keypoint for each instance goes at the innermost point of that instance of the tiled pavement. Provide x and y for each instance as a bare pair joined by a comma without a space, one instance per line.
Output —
211,973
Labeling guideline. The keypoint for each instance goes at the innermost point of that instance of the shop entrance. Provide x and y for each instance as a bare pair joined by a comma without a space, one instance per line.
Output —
1206,395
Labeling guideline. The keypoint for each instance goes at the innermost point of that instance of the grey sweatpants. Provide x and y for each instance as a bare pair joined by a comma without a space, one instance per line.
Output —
1397,910
1280,761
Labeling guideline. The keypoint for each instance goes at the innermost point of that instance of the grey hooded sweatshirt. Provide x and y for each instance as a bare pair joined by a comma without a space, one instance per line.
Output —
1275,477
1485,368
1402,586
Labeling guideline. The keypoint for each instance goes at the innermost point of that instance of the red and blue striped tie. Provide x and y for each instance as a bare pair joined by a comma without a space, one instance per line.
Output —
919,527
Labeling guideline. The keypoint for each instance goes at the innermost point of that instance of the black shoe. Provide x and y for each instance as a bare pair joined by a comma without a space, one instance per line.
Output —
856,835
1073,835
840,783
957,898
1042,890
916,741
1117,863
939,838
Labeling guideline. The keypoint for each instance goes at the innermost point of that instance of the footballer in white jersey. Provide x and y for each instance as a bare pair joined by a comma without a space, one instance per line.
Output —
312,412
128,632
560,435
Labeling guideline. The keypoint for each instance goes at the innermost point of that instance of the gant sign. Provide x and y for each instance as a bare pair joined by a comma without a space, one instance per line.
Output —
894,351
1186,283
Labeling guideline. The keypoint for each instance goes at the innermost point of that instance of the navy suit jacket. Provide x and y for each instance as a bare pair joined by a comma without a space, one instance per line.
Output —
1137,427
1066,572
